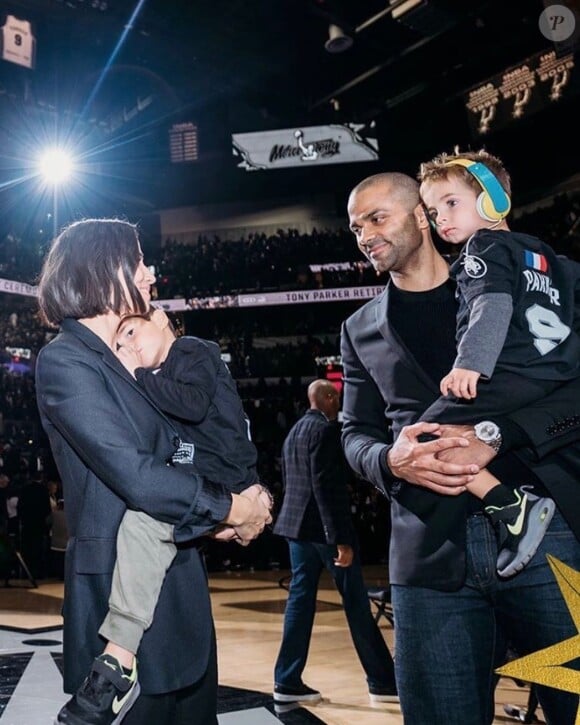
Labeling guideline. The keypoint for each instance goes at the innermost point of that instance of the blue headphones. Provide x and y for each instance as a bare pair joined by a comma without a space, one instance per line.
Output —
494,203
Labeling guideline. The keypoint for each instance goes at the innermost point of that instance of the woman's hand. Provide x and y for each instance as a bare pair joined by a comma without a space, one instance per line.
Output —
249,514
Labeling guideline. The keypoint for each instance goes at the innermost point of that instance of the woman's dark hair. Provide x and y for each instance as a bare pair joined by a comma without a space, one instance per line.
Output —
80,275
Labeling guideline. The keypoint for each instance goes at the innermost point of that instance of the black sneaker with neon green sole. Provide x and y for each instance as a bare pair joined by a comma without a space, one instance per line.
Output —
520,528
104,698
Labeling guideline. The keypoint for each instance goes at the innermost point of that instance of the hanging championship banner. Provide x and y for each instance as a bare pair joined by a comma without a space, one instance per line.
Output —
305,146
520,91
18,42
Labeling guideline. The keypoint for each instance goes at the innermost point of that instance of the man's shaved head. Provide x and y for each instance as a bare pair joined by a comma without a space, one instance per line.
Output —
322,395
403,188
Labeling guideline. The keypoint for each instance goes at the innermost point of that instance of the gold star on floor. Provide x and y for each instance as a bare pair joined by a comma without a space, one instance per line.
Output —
547,667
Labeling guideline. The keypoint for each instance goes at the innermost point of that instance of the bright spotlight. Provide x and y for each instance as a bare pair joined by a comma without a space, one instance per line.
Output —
56,166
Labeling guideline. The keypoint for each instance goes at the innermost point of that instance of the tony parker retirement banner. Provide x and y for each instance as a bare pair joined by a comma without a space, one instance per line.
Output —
267,299
305,146
298,297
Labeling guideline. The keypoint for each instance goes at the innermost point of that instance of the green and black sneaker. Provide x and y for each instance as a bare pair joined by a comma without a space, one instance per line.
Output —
520,527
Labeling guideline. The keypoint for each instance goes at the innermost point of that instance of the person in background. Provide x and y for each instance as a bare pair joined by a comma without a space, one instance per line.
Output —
53,491
4,488
315,518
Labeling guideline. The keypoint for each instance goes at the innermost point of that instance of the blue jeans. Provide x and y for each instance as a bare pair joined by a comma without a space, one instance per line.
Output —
449,643
307,561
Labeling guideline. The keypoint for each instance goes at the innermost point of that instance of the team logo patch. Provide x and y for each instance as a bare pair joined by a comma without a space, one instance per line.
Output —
535,261
184,454
474,266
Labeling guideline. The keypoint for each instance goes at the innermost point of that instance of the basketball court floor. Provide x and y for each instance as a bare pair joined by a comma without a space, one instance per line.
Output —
248,610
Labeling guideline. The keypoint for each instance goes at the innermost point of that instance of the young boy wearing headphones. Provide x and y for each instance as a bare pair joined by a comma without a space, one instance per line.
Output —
515,331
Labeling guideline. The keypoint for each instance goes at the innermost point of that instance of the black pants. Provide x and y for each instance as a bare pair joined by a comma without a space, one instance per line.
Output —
192,705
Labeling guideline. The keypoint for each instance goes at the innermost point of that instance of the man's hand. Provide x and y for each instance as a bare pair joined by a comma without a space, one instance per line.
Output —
461,382
476,452
420,464
345,555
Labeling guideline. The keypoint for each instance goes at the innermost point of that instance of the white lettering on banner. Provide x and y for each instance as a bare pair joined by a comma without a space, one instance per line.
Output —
18,288
268,299
297,297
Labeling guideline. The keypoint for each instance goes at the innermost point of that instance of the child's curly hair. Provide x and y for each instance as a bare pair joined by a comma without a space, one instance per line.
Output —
438,169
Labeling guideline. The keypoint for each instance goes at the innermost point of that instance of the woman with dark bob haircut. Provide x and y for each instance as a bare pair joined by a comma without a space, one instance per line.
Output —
114,450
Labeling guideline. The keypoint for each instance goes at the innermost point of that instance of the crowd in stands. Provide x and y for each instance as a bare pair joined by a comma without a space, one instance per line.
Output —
273,352
558,224
258,263
20,259
282,261
20,326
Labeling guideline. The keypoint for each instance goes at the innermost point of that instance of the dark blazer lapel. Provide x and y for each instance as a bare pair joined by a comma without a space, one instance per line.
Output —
94,342
396,345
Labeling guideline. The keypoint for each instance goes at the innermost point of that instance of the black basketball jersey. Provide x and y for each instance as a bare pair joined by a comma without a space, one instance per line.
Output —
541,342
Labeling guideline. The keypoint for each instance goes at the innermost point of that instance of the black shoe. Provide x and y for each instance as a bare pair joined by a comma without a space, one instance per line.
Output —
383,693
521,528
104,698
301,693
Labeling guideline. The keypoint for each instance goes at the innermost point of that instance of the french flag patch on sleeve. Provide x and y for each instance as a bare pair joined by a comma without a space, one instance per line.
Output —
535,261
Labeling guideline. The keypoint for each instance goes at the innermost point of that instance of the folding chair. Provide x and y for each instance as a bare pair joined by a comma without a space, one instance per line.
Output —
381,598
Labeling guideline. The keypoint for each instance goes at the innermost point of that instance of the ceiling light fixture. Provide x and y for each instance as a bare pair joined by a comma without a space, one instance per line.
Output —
338,41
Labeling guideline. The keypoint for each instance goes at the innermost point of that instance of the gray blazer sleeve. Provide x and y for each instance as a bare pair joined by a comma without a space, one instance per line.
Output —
366,437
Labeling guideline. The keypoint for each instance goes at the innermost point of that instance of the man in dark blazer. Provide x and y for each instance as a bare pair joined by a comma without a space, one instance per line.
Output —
315,518
453,614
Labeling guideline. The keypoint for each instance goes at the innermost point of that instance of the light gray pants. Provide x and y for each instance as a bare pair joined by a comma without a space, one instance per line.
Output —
145,550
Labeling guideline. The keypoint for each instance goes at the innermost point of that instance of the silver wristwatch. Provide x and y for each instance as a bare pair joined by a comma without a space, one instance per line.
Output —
489,433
